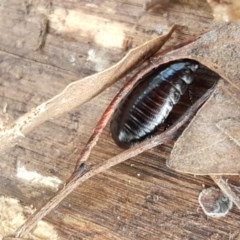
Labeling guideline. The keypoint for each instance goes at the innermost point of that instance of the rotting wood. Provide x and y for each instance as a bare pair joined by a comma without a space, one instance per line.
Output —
85,171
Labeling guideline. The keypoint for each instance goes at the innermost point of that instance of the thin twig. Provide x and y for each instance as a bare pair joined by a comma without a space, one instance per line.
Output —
79,92
114,103
105,118
226,189
86,173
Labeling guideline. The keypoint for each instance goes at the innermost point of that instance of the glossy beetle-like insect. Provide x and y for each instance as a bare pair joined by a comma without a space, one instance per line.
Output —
150,102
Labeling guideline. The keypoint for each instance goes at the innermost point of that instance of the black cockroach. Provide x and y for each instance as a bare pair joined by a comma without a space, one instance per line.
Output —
150,102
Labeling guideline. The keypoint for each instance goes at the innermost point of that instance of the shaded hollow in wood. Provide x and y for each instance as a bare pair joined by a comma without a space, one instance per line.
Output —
158,99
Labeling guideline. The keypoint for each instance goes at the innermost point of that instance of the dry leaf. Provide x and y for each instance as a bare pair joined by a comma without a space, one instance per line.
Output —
204,147
79,92
203,51
208,146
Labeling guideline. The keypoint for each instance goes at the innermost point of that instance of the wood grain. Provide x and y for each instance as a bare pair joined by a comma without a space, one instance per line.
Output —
139,199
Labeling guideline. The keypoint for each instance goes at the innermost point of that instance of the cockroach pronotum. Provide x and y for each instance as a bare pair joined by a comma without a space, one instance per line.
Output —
150,102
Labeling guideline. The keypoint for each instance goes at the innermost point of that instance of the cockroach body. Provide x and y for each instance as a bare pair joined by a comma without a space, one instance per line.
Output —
150,102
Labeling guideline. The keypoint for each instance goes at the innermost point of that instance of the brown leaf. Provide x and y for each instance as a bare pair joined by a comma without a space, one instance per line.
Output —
210,144
230,127
218,49
203,148
79,92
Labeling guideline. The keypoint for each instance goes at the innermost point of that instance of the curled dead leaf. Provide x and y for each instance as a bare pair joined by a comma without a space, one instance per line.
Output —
212,50
210,144
207,146
75,94
79,92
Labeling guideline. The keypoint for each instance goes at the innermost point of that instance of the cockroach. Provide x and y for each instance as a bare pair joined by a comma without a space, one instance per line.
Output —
150,102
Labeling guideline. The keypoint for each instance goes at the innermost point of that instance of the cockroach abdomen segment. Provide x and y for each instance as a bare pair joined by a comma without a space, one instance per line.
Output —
150,102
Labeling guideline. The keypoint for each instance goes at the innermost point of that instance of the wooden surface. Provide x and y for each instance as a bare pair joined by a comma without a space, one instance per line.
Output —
139,199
